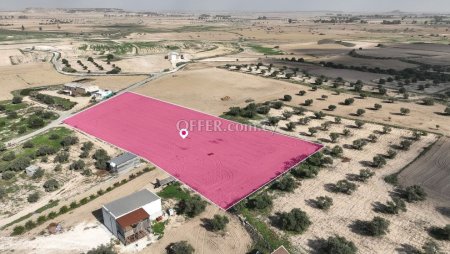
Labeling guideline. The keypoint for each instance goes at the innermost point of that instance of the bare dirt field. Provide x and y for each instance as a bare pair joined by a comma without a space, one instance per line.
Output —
234,240
431,171
407,228
27,76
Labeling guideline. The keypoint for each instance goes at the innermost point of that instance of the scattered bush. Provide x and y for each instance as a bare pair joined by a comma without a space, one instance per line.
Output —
346,187
349,101
365,174
378,161
219,222
338,245
33,197
308,102
405,144
9,156
295,221
260,202
62,157
360,112
8,175
182,247
332,107
395,206
287,97
334,137
69,140
28,144
192,206
377,227
324,202
51,185
359,124
404,111
286,183
414,193
16,100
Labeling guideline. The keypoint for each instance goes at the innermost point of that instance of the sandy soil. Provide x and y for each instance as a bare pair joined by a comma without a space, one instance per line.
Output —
72,240
210,85
28,75
431,171
406,228
233,240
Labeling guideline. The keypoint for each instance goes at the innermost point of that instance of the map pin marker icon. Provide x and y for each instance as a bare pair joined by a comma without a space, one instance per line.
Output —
184,133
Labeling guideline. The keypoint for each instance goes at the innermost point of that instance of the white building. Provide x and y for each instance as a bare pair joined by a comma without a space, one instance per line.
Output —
174,56
129,218
102,94
30,170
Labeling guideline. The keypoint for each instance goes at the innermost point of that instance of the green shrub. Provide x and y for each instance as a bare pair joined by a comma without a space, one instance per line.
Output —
33,197
192,206
295,221
338,245
51,185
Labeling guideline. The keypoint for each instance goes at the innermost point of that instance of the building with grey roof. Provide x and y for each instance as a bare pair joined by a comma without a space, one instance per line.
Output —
123,162
129,218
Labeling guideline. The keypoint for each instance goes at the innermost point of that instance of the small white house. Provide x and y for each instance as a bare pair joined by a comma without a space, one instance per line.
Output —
174,56
102,94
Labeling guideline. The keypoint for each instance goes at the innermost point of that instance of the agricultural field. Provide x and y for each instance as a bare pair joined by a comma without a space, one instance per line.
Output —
372,88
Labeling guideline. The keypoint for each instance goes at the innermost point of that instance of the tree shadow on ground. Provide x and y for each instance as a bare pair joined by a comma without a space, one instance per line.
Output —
330,187
407,248
366,163
316,245
352,177
359,227
311,202
443,210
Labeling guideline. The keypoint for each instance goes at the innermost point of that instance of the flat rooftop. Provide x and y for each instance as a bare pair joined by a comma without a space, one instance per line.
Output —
224,165
127,204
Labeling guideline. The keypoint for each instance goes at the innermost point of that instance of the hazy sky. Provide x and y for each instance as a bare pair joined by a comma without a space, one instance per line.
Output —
240,5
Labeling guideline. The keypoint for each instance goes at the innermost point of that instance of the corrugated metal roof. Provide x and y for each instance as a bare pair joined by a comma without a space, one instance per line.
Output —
122,158
132,218
131,202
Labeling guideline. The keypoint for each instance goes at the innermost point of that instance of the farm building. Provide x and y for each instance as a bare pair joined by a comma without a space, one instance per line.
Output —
129,218
123,162
165,181
102,94
78,89
30,170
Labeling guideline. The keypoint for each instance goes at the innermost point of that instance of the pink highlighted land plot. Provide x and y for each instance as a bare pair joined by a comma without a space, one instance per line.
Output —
223,166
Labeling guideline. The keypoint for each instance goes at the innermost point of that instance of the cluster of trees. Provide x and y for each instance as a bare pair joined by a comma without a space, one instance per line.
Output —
286,183
101,158
252,109
311,167
62,103
68,67
90,59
